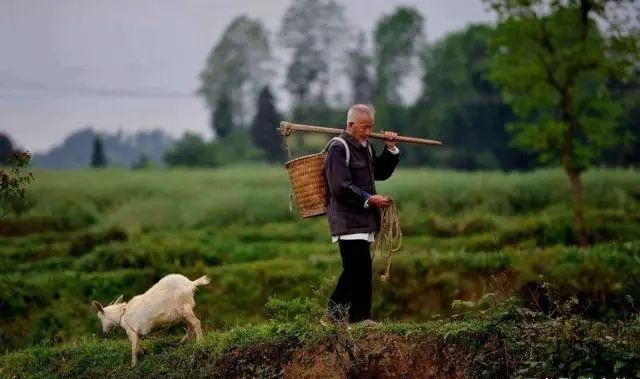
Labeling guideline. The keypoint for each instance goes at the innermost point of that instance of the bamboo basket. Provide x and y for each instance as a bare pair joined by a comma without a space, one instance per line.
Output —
307,180
308,185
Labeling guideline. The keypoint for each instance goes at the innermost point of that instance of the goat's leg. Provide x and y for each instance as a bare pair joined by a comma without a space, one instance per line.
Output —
192,320
133,337
187,334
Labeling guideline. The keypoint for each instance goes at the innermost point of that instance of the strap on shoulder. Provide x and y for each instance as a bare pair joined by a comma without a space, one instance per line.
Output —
346,148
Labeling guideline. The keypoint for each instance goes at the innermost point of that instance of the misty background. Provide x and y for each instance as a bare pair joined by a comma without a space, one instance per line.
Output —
205,83
134,65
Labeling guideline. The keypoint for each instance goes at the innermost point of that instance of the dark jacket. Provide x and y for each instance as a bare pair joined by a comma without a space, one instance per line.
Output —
348,186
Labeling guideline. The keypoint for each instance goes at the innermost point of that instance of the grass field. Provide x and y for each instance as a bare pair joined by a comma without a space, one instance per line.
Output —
96,234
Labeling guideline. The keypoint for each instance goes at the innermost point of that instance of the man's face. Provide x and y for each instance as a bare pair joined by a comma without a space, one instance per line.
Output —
361,127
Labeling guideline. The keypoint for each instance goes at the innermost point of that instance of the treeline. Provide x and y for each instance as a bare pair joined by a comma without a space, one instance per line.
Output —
545,85
88,147
330,64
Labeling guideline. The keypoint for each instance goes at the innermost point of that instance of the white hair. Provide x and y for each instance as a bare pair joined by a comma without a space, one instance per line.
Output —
359,109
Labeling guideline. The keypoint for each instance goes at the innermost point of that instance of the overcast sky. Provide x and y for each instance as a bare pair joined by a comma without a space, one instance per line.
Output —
134,64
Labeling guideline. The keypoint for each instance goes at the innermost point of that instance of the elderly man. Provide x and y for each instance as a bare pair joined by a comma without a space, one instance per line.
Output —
350,169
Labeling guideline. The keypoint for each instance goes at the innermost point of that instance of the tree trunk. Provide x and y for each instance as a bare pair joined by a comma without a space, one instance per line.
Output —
578,214
570,166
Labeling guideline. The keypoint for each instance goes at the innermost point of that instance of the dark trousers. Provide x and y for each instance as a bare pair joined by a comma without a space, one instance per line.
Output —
353,290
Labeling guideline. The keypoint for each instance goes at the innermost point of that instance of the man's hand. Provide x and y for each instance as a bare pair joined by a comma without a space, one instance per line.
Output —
390,142
379,201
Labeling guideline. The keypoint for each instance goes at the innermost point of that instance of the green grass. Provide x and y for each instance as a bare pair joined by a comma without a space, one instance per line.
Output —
55,306
479,344
148,200
96,234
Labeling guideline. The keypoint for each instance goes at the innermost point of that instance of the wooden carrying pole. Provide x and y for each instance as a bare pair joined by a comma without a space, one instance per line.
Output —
287,128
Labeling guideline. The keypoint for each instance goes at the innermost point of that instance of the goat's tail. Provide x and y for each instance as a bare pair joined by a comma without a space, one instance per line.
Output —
201,281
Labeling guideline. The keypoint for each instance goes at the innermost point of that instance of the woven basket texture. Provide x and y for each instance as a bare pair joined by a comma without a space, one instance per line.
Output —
307,183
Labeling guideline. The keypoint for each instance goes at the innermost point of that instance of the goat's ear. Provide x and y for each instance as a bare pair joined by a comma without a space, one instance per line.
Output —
118,300
98,306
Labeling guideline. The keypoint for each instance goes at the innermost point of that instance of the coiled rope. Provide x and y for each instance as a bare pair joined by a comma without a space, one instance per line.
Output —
389,237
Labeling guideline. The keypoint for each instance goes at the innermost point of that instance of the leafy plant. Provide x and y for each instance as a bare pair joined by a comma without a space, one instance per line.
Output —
13,184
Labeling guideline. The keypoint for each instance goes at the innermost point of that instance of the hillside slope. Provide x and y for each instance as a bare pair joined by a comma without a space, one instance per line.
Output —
504,341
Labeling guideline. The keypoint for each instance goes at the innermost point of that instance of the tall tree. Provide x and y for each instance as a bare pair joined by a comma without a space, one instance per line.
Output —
223,116
461,106
317,32
6,148
263,127
552,61
239,65
98,158
398,39
305,68
190,150
359,66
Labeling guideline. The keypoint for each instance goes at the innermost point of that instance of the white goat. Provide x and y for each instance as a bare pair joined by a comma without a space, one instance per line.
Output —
167,302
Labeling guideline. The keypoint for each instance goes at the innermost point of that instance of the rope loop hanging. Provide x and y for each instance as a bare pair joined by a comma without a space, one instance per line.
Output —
389,237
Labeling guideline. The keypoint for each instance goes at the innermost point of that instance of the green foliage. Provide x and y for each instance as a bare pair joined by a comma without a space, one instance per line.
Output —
98,157
94,236
548,60
13,185
362,86
236,148
397,38
297,310
311,143
504,341
223,117
193,151
553,69
527,343
6,148
236,69
460,106
190,150
554,64
262,130
317,32
626,93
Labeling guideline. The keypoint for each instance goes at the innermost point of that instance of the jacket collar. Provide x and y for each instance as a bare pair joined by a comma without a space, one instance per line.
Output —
351,140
